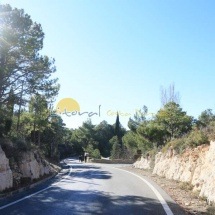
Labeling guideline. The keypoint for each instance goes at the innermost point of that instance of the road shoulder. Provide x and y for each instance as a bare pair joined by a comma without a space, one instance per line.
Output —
185,198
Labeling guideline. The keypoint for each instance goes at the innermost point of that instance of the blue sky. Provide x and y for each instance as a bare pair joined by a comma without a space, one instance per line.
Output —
118,53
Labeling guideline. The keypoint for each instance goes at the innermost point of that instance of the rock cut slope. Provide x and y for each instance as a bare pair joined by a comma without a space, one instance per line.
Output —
195,166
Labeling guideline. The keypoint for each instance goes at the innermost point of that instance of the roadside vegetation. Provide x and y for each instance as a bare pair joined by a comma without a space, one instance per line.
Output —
169,127
28,90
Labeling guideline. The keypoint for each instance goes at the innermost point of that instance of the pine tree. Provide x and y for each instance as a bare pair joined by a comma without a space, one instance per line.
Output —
24,72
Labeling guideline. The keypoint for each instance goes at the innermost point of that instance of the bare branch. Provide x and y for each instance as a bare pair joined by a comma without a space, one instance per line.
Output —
169,95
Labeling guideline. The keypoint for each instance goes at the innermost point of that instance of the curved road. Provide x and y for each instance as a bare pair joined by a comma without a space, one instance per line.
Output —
93,189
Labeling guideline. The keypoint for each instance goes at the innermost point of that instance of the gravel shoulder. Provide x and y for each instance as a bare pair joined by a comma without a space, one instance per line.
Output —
180,192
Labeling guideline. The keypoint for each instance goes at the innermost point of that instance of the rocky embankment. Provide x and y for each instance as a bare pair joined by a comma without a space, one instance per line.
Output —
28,167
6,175
195,166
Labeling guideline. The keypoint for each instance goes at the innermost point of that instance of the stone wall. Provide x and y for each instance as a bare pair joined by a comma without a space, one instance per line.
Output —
195,166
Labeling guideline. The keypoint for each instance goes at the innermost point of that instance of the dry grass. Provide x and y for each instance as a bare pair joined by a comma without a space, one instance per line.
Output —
211,210
185,186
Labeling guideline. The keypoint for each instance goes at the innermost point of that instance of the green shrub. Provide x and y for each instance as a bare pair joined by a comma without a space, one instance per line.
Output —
8,125
22,145
96,154
116,151
7,147
196,138
179,145
193,139
210,131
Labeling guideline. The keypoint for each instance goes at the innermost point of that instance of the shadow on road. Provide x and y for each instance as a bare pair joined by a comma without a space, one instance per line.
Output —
82,166
87,171
76,202
93,174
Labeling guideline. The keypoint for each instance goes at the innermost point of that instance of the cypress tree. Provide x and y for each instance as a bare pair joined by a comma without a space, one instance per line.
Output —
117,130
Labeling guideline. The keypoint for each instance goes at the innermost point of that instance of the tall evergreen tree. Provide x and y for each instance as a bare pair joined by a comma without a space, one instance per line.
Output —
21,41
23,70
117,126
118,130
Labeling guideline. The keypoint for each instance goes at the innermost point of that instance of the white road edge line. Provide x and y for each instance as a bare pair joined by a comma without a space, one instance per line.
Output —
33,194
160,198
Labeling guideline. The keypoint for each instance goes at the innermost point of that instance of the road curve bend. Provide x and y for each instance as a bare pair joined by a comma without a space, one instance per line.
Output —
94,189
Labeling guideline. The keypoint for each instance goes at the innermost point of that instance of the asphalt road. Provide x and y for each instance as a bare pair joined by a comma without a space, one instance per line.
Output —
93,189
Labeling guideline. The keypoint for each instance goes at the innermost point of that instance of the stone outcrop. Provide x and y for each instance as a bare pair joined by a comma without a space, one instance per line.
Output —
6,177
33,166
194,166
30,166
143,163
26,168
